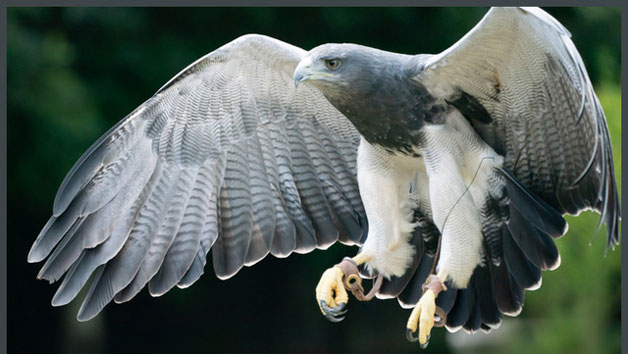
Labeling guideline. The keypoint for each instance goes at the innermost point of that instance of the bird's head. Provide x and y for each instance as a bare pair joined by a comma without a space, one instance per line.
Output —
323,66
351,75
332,68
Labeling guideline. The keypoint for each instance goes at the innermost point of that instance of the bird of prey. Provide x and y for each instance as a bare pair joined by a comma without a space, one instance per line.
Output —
452,172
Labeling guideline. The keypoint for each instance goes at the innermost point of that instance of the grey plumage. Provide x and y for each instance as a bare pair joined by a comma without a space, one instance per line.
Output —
229,157
547,121
244,164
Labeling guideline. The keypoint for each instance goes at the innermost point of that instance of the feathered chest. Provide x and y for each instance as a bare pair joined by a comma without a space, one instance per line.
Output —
391,113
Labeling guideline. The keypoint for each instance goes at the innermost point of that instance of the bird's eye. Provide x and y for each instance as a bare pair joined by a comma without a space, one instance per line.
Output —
332,64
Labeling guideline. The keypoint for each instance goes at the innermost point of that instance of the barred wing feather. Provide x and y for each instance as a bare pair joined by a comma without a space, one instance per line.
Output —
546,120
227,156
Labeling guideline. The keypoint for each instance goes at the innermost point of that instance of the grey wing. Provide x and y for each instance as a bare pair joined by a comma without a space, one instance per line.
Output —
519,80
227,156
538,108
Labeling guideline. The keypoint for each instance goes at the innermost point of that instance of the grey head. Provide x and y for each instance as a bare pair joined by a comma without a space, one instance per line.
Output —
373,88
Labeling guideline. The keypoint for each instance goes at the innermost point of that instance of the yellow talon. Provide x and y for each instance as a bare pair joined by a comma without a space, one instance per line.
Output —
331,295
422,316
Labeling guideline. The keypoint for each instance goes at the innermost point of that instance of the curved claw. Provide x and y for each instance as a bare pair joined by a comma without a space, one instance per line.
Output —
334,310
411,336
414,337
334,319
331,295
333,313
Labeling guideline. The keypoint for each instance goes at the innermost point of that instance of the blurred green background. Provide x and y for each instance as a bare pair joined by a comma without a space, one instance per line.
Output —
74,72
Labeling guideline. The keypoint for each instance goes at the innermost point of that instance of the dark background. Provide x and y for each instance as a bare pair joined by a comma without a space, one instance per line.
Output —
74,72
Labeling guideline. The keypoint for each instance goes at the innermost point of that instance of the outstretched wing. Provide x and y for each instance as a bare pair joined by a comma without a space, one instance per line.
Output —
518,78
543,115
227,156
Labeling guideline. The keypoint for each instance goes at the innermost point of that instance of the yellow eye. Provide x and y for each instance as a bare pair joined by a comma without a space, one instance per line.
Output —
332,64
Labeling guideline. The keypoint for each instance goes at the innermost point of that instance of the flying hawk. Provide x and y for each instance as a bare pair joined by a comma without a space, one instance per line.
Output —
450,171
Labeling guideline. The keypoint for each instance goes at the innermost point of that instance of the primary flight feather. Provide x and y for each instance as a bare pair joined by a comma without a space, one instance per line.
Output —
463,163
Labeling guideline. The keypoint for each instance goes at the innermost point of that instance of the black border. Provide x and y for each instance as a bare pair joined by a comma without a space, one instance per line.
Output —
624,254
3,182
304,3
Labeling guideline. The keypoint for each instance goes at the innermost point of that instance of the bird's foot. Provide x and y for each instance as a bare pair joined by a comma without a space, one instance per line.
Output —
421,319
331,293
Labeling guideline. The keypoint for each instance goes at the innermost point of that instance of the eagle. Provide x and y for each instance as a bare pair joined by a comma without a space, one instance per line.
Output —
451,172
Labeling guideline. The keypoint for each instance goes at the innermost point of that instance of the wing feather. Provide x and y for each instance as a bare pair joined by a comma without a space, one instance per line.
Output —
228,156
519,80
163,240
547,122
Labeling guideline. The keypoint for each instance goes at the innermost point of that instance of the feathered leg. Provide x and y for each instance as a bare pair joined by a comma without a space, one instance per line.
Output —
384,181
458,167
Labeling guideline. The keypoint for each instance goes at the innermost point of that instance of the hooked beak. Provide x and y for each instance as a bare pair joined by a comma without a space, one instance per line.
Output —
304,72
